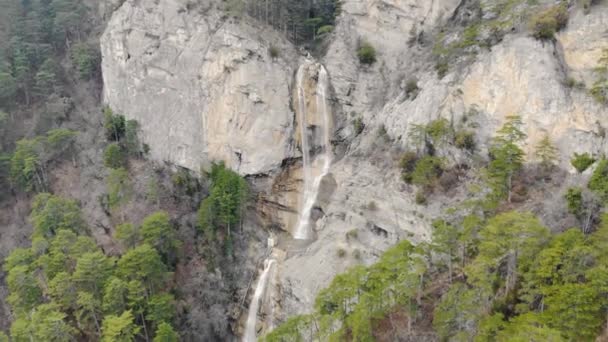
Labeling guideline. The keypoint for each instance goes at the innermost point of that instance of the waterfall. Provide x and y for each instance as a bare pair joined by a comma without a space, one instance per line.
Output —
311,186
252,316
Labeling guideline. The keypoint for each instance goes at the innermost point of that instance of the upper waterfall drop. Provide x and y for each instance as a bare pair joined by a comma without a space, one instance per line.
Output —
311,166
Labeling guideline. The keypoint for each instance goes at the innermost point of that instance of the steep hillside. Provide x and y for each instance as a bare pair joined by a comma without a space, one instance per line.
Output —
304,170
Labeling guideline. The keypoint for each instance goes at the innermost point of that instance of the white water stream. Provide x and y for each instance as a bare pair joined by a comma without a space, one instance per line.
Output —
311,185
313,174
252,316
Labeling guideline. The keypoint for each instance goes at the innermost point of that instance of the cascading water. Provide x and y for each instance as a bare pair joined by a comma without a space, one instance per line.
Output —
311,186
252,316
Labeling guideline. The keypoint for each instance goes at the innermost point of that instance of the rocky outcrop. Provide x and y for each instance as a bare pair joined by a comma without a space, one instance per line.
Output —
202,86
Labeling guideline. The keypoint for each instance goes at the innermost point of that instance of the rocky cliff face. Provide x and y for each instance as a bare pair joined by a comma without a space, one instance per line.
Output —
202,86
205,88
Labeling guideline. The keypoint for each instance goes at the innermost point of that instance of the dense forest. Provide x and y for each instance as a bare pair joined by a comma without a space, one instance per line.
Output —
65,286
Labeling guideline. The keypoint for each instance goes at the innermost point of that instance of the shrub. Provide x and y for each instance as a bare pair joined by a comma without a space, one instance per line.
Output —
438,130
325,30
599,180
114,125
465,140
420,198
427,171
273,51
581,162
352,234
366,53
574,199
599,91
408,165
442,68
411,88
114,157
86,60
545,24
341,253
382,133
357,254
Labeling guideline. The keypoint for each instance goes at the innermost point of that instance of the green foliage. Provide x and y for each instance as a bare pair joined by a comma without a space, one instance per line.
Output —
326,29
507,157
114,125
408,165
599,180
185,182
60,139
143,264
48,324
411,88
433,135
128,235
427,172
132,144
92,271
119,328
420,198
115,294
442,68
157,231
581,162
574,199
224,207
545,24
120,188
165,333
160,308
25,293
28,165
465,140
51,214
8,85
353,299
599,91
85,59
27,169
546,153
114,156
366,53
458,312
46,78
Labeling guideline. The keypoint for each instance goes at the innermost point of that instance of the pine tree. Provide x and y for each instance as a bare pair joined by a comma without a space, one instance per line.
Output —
128,234
507,157
115,296
546,153
165,333
119,328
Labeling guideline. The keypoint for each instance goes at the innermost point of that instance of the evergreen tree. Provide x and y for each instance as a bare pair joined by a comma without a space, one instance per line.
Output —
507,157
143,264
157,231
128,235
165,333
119,328
546,153
115,295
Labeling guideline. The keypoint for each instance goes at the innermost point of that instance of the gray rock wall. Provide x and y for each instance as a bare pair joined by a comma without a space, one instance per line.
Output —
203,88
